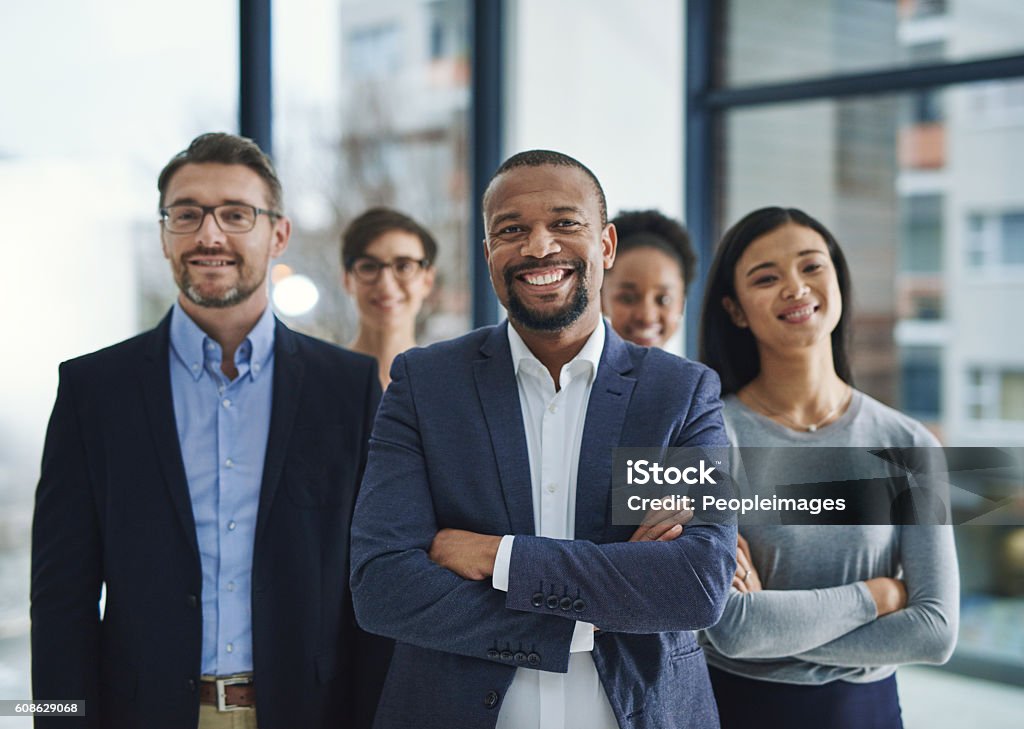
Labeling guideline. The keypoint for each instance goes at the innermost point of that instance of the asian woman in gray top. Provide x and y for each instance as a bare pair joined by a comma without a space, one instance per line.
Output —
820,616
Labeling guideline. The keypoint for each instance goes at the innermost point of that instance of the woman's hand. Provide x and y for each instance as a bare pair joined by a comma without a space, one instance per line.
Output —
888,593
746,578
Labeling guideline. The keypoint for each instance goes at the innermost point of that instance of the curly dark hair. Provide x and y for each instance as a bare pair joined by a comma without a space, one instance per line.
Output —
651,229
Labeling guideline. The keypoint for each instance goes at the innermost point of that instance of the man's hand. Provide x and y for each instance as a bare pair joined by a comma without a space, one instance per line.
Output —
661,525
468,554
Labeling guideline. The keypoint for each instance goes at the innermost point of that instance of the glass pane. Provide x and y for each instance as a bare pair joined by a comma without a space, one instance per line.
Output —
921,382
97,97
907,229
371,108
1013,238
1011,400
792,39
921,251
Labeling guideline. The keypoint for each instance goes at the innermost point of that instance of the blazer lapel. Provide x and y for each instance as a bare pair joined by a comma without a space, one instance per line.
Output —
606,413
155,376
288,372
498,391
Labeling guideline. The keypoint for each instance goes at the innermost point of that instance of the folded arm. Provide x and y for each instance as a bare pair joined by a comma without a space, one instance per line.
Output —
398,591
923,632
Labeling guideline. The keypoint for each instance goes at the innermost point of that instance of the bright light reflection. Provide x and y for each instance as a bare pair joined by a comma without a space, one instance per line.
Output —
295,295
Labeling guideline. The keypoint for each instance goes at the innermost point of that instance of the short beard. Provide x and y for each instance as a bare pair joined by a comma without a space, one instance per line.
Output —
558,320
233,296
229,298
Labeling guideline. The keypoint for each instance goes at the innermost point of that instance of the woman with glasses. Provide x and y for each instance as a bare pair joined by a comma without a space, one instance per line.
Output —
388,269
820,615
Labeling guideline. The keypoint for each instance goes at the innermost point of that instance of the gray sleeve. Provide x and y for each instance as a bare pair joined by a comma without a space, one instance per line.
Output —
780,623
925,631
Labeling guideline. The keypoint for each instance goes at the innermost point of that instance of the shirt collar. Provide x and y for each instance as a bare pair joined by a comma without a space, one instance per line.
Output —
586,360
193,347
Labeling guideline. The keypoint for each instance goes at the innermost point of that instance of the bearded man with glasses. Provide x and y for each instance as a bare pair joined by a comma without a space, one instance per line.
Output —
205,473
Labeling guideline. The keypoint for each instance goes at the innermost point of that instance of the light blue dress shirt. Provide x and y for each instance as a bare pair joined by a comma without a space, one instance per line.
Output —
222,429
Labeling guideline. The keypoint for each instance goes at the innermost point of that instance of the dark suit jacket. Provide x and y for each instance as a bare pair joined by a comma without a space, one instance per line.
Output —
449,450
113,507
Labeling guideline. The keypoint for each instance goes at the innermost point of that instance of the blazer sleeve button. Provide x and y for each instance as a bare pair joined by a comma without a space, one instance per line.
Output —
506,655
533,659
520,657
565,603
552,602
578,605
491,699
493,654
537,599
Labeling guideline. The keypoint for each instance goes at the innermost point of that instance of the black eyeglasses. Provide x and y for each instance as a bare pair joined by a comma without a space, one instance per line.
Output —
368,269
231,218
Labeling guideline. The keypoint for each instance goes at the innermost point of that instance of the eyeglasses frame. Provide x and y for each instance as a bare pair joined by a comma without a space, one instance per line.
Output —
350,266
211,210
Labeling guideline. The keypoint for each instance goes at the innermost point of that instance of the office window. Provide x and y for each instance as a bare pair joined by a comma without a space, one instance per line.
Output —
371,108
921,240
96,98
920,184
374,52
921,382
996,394
997,104
995,240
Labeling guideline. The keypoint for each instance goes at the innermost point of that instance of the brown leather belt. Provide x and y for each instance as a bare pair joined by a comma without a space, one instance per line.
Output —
228,694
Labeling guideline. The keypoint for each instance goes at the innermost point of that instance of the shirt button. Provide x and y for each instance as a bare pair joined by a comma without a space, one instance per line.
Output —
211,346
255,368
229,463
226,403
231,526
220,389
231,587
195,367
229,648
552,488
552,408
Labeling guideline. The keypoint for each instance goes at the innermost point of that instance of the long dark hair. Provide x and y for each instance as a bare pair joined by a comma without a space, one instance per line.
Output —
731,350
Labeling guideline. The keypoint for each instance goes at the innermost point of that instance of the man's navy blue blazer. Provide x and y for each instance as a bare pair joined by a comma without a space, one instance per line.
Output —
113,507
449,450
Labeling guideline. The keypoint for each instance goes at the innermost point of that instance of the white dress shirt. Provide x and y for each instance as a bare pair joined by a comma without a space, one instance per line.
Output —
554,431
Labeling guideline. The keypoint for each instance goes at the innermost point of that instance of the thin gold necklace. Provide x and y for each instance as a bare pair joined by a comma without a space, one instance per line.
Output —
809,427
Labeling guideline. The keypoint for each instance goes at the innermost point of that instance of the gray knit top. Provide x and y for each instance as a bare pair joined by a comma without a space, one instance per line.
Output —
815,620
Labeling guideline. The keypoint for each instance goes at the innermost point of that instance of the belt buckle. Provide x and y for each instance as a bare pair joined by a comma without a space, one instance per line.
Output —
222,704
